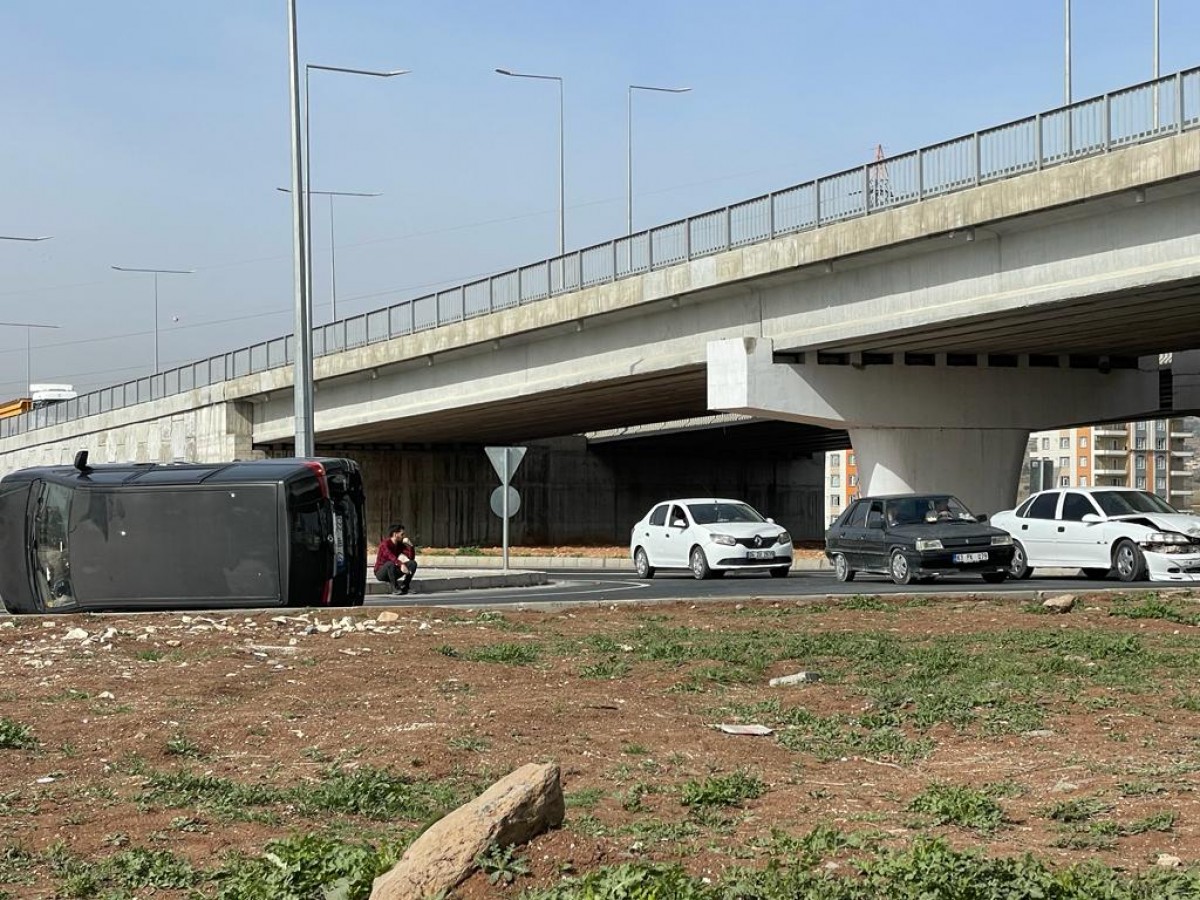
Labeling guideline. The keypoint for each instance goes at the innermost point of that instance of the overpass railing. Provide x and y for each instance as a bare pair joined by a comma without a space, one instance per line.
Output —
1144,112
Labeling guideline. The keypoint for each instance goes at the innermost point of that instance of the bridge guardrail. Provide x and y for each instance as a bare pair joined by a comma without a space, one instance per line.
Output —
1143,112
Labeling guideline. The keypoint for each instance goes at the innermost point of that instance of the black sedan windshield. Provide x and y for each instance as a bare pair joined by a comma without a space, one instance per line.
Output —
1125,503
926,508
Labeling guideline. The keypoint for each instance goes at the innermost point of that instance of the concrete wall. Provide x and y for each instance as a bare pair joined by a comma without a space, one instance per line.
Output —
573,494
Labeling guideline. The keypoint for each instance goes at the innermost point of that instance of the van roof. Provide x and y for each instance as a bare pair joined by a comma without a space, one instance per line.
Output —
258,470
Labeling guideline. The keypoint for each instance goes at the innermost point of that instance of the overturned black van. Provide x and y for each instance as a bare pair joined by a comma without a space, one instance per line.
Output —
271,532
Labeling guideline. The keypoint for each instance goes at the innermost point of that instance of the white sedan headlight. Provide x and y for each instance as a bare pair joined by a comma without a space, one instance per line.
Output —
1001,540
1165,537
725,540
784,538
924,544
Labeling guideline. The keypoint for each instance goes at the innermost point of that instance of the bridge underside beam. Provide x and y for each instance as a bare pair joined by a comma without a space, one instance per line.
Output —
961,428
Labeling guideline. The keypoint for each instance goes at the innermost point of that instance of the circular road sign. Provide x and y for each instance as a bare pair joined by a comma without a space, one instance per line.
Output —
514,501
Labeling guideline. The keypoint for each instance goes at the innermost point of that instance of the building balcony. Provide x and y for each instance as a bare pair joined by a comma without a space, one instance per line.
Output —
1109,431
1181,491
1109,471
1180,473
1182,435
1183,453
1110,451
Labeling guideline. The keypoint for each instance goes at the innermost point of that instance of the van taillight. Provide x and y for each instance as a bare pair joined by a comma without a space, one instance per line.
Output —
327,593
319,471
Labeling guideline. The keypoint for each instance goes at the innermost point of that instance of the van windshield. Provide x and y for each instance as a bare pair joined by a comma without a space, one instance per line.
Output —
50,546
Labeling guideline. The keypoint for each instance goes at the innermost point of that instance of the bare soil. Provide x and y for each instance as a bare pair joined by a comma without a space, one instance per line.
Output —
282,700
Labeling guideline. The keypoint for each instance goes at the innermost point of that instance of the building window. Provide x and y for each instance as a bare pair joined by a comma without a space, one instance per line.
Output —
850,460
1139,426
1160,426
1160,461
835,500
1160,484
1083,462
1083,481
1141,463
1064,462
1045,443
1160,443
1139,443
852,481
1083,442
1032,445
1064,443
1064,481
835,481
1140,483
835,460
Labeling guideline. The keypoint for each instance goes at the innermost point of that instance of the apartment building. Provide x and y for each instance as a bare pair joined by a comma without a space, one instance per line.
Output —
1156,456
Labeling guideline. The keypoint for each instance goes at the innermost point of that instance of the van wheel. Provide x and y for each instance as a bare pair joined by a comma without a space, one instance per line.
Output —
641,562
1019,568
699,565
1128,561
901,571
841,568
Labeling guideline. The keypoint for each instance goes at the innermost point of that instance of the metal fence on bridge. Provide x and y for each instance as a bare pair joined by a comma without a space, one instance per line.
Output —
1137,114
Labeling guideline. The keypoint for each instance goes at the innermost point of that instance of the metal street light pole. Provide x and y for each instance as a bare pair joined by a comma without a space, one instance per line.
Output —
629,143
156,273
9,237
1067,51
308,67
562,232
302,362
28,326
332,241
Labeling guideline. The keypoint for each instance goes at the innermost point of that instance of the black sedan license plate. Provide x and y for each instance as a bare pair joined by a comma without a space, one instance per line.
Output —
970,557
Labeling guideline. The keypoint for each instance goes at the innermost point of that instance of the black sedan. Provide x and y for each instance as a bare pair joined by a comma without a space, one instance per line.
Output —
916,537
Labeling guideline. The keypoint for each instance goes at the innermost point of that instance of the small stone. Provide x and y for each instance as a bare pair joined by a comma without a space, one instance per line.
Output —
75,634
798,678
1168,861
1060,604
106,695
387,616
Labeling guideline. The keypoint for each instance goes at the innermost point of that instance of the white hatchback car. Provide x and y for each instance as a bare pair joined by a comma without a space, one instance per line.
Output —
710,536
1133,533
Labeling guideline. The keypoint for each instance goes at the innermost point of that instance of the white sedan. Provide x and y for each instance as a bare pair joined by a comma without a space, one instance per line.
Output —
709,536
1133,533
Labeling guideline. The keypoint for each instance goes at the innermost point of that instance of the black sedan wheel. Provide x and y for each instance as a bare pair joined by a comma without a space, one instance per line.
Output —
994,577
641,562
841,568
1019,568
901,572
1128,561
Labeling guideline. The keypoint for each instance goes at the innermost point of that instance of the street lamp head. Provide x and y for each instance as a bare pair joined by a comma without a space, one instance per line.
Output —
374,73
11,237
154,271
663,90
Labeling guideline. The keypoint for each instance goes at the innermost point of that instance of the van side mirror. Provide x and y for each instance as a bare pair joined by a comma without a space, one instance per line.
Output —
81,462
982,517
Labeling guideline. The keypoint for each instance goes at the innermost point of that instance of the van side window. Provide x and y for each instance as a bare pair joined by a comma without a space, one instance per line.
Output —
858,516
659,516
53,561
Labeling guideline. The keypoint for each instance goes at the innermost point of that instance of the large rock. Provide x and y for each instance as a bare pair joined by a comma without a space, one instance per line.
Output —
515,809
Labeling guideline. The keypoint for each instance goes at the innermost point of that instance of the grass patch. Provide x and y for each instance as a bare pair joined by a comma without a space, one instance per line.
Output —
15,736
949,804
304,866
607,669
722,790
1151,606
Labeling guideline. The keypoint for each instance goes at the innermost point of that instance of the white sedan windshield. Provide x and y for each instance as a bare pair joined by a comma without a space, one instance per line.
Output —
711,513
1125,503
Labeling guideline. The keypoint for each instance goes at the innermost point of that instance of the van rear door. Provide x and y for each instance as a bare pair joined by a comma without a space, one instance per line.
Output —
16,589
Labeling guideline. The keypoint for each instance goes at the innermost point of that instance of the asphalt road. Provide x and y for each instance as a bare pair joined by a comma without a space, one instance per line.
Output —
590,586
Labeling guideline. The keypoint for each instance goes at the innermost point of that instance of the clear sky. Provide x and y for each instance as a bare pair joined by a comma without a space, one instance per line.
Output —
154,133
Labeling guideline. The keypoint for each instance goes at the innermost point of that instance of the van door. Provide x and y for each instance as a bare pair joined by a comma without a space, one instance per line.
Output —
348,500
16,589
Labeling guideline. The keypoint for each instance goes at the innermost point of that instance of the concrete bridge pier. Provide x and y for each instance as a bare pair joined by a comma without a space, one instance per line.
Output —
946,422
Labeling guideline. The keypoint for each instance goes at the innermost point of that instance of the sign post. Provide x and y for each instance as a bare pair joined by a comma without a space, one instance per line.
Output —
505,500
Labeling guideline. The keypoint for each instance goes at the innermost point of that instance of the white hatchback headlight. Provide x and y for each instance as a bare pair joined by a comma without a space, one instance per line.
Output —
924,544
1001,540
725,540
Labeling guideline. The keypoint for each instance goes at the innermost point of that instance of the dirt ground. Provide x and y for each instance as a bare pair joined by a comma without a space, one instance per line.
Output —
616,695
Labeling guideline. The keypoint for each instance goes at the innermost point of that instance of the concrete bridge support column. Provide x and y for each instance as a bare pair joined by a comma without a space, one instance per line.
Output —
927,424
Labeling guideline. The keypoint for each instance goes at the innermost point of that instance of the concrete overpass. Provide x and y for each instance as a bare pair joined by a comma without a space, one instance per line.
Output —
1046,259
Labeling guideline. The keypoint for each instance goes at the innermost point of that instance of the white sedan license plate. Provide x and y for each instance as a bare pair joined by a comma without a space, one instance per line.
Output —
970,557
761,554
